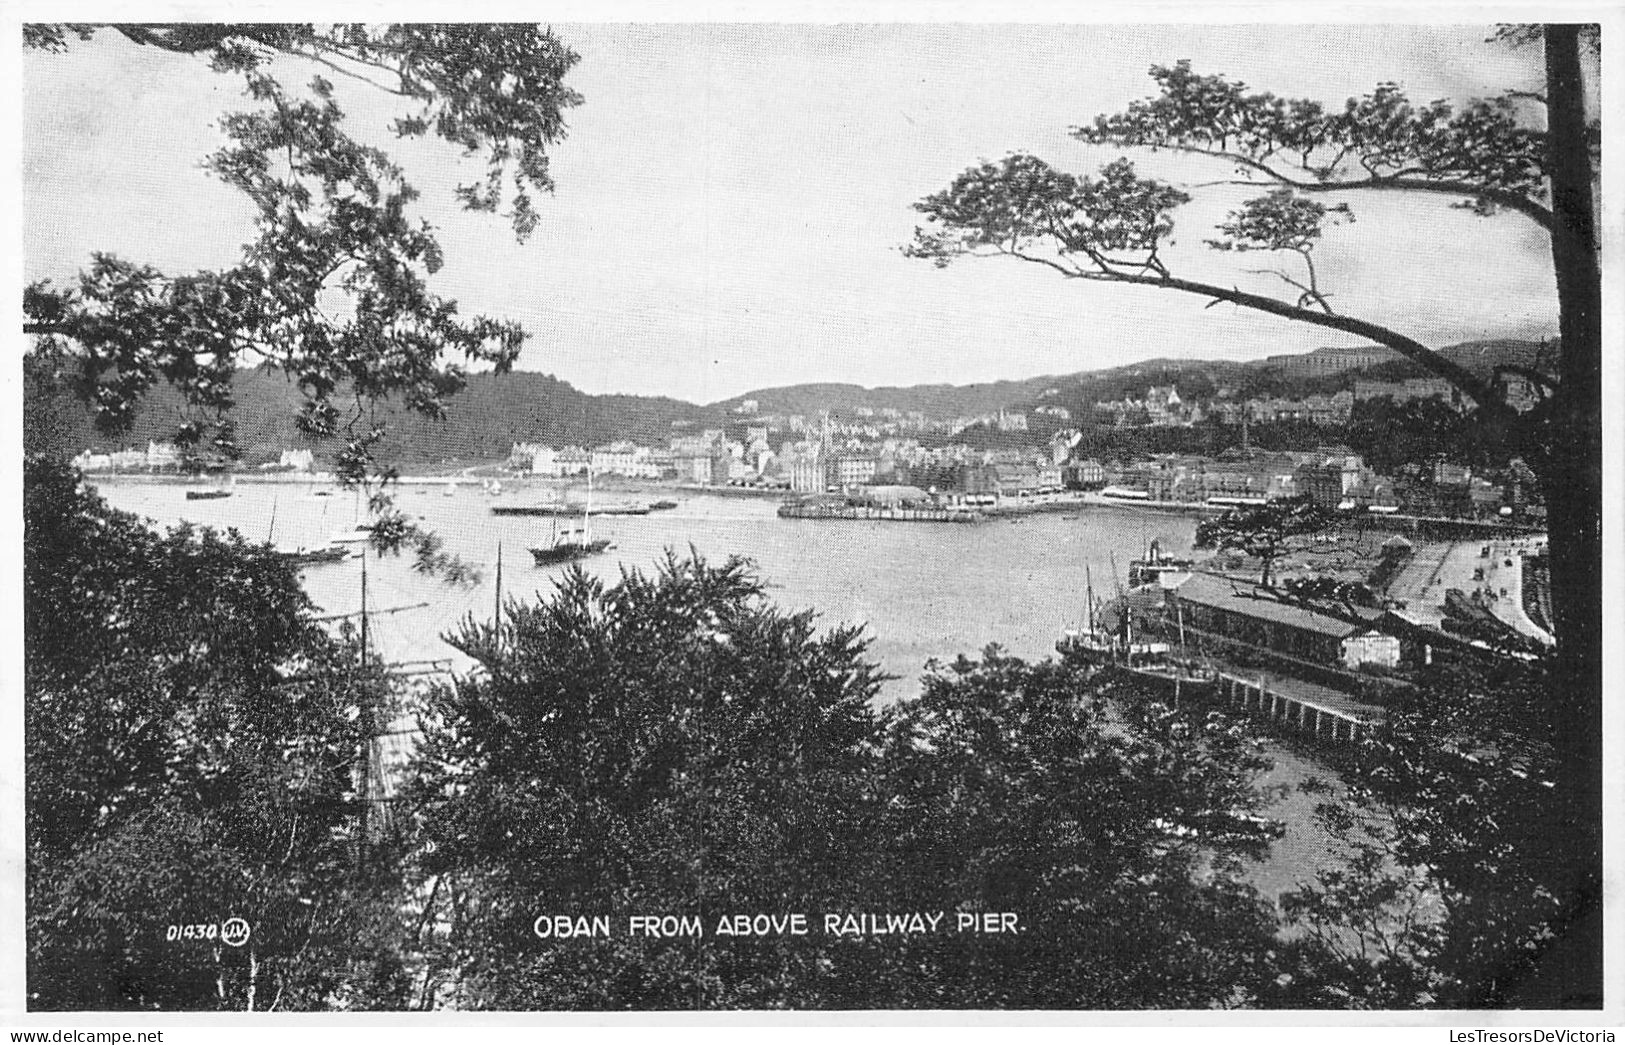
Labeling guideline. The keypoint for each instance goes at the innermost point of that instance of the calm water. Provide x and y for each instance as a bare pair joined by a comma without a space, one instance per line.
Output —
923,590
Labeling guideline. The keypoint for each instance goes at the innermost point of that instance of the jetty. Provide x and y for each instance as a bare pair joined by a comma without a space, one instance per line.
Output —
878,512
1319,712
878,503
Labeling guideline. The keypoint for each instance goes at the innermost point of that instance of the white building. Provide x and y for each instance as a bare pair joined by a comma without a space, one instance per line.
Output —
544,460
93,462
162,455
626,459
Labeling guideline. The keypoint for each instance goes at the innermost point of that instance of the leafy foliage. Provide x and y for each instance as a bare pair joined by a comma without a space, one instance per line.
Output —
333,289
1456,891
1115,830
191,740
665,745
675,745
1380,139
1262,530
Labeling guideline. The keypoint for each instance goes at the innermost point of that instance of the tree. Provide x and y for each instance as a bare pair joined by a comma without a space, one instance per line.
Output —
334,288
1486,155
1391,435
1262,531
676,745
191,738
1113,827
1111,228
667,745
1454,894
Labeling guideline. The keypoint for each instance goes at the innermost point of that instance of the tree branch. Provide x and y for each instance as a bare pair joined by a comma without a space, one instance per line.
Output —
1481,392
1500,197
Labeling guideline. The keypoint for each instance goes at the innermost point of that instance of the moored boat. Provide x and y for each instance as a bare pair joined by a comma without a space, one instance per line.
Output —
314,556
569,546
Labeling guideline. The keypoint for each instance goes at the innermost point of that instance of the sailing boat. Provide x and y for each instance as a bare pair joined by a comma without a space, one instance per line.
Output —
569,545
1149,664
1091,647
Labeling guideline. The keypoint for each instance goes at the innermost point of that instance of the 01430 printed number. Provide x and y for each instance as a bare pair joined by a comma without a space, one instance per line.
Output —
233,932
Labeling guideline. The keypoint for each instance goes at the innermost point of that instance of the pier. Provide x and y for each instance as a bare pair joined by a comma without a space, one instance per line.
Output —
1318,711
884,514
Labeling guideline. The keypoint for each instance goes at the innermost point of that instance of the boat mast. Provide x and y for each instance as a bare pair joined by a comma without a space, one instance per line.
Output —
363,607
586,513
498,615
369,795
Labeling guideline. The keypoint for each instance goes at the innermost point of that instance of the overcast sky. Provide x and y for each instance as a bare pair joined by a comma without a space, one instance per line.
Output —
731,199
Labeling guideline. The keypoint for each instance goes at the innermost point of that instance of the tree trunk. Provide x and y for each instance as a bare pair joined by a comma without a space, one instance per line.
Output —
1570,468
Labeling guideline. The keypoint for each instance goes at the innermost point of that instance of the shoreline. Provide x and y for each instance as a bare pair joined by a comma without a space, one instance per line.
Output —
1428,526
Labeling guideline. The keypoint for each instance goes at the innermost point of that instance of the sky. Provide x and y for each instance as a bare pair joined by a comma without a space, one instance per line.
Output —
732,199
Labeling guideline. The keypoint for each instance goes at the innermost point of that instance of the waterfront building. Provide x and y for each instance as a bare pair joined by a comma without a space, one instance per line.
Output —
90,461
1221,608
1331,481
853,469
803,464
128,460
692,467
297,460
162,456
573,460
544,460
624,458
1086,474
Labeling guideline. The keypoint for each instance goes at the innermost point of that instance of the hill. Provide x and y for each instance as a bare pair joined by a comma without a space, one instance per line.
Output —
483,421
494,412
1322,371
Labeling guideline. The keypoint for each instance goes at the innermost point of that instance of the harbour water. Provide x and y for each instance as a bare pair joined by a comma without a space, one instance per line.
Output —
923,591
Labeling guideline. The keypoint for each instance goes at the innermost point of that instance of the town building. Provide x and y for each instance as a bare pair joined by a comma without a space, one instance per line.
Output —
853,469
1086,474
1220,608
297,460
1323,362
1413,389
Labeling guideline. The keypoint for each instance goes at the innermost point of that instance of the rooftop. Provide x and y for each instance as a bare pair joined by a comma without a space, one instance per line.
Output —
1204,589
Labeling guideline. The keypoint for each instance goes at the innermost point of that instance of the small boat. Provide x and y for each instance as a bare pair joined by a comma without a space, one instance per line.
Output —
314,556
207,495
568,547
532,509
662,506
